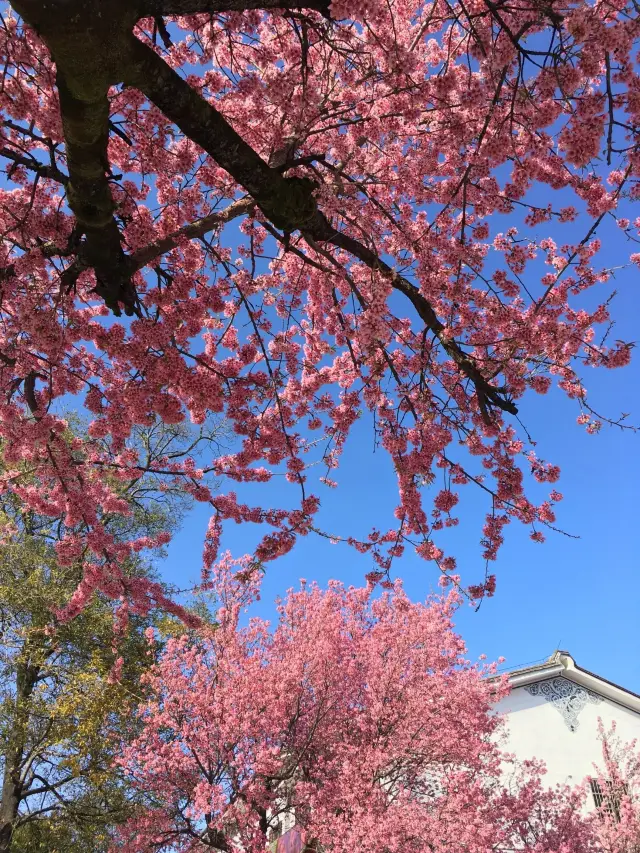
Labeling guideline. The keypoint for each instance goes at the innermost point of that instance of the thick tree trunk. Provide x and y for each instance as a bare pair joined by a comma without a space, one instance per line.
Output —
10,801
12,783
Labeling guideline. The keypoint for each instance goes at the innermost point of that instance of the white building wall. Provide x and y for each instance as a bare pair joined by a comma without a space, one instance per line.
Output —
563,734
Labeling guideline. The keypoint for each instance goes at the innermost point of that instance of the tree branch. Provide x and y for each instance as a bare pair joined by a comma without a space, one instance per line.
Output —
86,132
41,169
288,202
85,39
193,230
485,390
155,8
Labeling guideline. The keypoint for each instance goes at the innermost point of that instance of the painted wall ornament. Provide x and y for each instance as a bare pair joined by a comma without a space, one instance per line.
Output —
568,698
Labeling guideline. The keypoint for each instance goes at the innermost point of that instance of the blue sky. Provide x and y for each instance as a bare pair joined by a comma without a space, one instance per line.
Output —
580,594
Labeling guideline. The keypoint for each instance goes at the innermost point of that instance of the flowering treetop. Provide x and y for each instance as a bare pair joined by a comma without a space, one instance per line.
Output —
357,717
364,149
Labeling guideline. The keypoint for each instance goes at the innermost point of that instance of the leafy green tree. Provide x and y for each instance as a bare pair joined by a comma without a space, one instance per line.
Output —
58,694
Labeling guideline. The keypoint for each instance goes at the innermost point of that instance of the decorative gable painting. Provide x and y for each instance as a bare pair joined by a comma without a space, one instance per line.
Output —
568,698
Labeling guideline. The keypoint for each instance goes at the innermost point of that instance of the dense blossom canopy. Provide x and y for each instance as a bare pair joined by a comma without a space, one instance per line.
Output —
359,719
291,213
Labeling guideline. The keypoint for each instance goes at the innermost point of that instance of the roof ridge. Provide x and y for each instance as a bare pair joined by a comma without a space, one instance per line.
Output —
532,664
569,670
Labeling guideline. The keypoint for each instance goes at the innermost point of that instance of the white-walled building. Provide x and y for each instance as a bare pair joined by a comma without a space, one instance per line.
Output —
552,714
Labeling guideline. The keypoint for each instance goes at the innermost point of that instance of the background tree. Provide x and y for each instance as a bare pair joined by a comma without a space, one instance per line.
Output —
368,151
359,718
64,683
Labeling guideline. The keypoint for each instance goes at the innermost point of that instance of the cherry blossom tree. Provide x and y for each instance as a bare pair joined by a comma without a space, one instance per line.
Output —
295,212
358,718
615,787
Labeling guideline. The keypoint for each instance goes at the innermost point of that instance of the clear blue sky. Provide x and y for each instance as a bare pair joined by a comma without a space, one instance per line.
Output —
581,594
